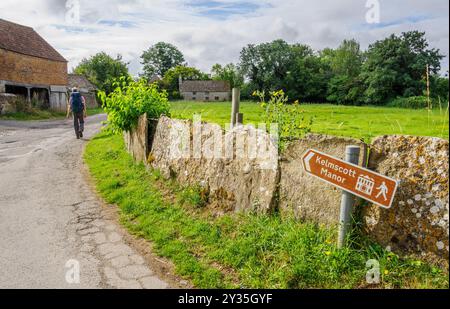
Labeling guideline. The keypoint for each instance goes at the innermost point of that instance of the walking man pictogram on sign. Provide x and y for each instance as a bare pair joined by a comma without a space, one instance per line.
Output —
383,191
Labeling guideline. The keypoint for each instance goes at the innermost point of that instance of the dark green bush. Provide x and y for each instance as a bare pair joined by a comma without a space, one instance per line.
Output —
419,102
131,99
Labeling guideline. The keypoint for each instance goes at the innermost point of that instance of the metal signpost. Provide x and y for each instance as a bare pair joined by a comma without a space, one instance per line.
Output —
235,106
353,179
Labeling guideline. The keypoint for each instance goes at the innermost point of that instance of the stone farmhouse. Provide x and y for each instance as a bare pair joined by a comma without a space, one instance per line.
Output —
205,90
85,87
30,67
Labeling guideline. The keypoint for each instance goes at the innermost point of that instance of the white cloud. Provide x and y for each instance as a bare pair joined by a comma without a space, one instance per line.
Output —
216,32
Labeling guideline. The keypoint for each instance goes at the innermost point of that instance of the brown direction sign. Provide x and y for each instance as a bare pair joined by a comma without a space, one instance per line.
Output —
359,181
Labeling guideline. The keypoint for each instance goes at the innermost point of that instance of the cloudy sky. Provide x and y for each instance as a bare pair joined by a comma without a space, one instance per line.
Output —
209,32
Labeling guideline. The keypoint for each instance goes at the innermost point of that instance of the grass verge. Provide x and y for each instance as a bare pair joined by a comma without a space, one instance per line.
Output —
239,251
36,114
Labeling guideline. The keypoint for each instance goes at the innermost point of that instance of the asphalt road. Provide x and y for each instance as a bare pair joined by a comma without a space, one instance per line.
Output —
51,223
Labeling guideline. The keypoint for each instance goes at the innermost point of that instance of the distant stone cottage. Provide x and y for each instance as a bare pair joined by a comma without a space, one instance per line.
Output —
205,90
30,67
86,88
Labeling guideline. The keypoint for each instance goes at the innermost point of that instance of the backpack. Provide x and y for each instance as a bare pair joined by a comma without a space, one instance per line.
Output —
77,102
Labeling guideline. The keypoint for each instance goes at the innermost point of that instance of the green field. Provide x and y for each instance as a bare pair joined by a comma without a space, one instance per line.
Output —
352,121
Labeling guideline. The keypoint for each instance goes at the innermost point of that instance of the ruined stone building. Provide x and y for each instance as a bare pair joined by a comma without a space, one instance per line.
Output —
30,67
85,87
205,90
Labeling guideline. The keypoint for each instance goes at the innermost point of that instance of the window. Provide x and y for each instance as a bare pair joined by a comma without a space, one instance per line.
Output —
194,98
206,98
194,93
217,98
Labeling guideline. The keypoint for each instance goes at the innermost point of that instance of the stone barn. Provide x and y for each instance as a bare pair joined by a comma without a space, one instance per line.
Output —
86,88
30,67
205,90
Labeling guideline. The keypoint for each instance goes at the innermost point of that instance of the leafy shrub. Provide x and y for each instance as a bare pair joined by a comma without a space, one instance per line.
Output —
418,102
131,99
291,121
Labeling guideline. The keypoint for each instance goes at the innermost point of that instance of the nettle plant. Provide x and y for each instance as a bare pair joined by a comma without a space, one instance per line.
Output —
131,99
290,119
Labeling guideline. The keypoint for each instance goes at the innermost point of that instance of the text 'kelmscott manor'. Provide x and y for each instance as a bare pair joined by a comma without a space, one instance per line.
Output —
329,167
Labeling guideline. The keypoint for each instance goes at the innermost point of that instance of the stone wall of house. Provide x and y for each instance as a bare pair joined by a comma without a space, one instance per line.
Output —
417,223
31,70
303,196
202,96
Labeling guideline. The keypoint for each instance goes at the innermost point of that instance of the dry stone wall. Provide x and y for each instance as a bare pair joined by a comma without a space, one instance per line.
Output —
203,155
137,140
303,196
417,223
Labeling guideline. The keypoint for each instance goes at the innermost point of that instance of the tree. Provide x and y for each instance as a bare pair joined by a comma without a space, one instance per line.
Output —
347,59
267,65
228,73
396,66
345,87
440,88
160,58
308,76
102,70
171,78
296,69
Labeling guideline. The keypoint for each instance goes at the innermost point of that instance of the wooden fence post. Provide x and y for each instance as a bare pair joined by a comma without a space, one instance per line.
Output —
235,105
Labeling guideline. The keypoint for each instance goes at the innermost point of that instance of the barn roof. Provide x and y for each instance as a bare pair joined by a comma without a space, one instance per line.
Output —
80,81
24,40
205,85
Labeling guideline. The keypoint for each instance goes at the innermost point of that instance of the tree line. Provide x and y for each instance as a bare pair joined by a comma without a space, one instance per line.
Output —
390,69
